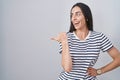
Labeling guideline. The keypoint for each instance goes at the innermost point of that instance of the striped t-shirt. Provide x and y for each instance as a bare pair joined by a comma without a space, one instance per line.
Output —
84,54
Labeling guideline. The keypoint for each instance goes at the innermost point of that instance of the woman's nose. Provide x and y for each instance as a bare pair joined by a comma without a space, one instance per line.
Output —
74,17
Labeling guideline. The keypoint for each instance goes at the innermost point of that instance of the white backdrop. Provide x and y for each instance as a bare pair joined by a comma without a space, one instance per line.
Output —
26,26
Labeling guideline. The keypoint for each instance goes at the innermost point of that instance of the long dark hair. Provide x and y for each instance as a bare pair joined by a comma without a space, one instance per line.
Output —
87,14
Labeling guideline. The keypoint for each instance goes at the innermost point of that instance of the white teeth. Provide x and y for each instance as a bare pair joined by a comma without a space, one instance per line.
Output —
76,23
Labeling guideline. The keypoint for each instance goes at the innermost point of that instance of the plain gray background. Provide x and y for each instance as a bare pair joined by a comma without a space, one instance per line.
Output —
26,26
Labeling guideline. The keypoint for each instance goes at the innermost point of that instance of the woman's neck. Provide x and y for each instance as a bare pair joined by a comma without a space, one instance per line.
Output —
82,34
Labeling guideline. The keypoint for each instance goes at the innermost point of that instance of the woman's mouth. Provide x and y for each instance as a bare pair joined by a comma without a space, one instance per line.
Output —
76,23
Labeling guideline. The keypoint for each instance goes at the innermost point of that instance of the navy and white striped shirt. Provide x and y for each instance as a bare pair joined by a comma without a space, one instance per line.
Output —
84,54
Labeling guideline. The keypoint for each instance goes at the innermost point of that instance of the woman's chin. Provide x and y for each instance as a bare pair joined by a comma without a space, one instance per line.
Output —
77,28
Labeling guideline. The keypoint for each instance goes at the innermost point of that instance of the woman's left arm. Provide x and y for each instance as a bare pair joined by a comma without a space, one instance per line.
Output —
115,54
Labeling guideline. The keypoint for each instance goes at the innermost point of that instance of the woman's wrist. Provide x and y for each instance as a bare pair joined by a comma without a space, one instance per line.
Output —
64,41
99,71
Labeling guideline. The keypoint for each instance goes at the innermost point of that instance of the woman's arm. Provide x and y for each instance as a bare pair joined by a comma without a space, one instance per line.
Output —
66,58
115,54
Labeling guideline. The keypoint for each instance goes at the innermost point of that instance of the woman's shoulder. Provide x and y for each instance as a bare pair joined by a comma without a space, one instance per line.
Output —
69,33
97,34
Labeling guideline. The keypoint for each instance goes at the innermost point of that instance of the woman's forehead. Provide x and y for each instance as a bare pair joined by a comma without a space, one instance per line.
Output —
76,9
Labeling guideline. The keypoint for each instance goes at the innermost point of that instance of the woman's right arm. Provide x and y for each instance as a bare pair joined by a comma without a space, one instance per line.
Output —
66,57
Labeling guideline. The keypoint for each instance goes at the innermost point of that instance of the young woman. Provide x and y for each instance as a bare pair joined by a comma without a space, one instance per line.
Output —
81,46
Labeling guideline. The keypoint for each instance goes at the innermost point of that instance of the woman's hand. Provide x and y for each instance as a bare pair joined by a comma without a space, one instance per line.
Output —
61,37
92,71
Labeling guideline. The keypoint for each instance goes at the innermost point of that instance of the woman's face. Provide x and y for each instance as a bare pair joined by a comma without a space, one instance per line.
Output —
78,18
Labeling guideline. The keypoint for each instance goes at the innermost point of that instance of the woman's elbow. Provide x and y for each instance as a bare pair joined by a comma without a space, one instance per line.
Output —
67,66
119,60
68,69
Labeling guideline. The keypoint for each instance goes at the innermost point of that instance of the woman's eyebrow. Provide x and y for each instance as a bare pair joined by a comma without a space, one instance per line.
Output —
77,12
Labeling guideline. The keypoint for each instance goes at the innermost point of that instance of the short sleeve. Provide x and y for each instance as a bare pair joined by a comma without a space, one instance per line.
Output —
106,44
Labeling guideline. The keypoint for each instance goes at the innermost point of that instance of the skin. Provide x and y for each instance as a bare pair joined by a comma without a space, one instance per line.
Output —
81,31
66,58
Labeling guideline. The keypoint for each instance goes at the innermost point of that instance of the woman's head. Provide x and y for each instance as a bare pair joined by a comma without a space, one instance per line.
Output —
81,16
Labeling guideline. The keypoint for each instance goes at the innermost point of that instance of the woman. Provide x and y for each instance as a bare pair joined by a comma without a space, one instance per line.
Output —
81,46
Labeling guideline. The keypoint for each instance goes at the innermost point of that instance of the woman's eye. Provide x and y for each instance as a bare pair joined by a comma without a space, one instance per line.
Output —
78,14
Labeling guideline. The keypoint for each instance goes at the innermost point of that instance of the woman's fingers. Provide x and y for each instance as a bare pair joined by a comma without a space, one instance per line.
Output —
61,37
55,38
92,72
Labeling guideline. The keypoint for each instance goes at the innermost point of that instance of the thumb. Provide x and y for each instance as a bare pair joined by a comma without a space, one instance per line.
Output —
54,39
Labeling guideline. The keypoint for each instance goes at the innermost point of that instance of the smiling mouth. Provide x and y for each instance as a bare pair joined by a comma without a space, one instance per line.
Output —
75,24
